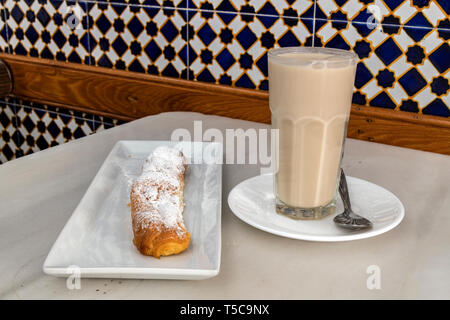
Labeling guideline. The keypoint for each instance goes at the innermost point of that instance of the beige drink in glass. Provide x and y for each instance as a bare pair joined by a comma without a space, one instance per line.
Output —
310,92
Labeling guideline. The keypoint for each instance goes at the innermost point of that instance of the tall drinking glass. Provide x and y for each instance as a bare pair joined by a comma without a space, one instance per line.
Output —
310,92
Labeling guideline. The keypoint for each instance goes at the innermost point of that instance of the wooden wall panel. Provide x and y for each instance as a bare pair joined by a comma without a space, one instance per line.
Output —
126,95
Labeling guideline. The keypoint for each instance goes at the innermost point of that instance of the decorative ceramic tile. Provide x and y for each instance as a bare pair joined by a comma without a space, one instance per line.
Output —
403,49
7,132
102,123
422,13
141,39
400,67
39,129
47,29
287,8
43,107
151,3
27,127
3,29
231,48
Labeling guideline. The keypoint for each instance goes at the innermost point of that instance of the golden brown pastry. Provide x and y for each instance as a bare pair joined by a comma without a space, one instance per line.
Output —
157,204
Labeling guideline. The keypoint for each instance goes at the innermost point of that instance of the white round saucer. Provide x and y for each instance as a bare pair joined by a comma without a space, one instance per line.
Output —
253,202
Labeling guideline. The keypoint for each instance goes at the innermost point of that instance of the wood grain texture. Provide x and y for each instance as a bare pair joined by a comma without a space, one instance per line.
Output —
6,82
402,129
127,95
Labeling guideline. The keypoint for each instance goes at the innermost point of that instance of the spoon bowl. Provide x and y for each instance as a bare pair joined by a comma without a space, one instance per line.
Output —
348,219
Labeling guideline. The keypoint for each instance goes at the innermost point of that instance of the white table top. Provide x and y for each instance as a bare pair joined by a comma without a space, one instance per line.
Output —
39,192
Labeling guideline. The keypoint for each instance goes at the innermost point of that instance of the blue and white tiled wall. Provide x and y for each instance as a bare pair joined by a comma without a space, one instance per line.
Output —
27,127
403,45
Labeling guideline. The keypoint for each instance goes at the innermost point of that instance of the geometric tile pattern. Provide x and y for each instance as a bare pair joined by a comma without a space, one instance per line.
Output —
47,29
230,48
286,8
143,39
8,147
399,67
3,29
103,123
39,129
422,13
402,44
27,127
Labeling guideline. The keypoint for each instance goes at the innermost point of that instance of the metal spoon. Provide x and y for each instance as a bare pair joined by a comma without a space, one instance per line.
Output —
348,219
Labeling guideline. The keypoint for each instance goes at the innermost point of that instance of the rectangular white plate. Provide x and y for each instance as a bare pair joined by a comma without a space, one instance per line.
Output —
97,240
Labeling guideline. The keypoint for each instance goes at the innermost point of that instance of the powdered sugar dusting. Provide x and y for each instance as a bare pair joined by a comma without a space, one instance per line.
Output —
166,159
158,191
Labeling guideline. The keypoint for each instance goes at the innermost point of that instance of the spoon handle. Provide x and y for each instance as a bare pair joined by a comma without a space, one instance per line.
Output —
343,191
